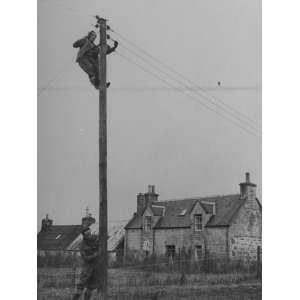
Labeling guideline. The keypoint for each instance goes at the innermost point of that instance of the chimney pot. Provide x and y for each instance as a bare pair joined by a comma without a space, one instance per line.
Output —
151,189
248,177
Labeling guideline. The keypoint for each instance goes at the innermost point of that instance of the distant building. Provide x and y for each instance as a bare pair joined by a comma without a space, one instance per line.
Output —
66,239
217,227
115,242
55,239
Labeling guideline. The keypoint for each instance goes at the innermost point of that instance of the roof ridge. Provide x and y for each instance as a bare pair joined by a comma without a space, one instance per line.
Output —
198,198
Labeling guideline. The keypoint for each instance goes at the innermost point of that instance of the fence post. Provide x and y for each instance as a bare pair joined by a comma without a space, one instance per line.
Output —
258,262
182,271
73,275
179,259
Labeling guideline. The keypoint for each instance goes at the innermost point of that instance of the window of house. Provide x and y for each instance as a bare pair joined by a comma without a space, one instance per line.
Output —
58,236
170,251
147,226
183,212
198,222
198,252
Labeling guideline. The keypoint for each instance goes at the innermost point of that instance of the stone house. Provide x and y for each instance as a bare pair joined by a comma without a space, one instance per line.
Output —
216,227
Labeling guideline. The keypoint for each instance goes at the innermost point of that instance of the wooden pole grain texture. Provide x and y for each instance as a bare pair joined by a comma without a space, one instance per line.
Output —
103,161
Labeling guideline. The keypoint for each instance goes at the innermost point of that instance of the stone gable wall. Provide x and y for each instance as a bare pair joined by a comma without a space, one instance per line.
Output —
245,232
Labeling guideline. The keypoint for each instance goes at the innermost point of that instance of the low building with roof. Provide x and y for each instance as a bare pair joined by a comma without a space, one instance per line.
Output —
66,239
226,226
55,239
115,242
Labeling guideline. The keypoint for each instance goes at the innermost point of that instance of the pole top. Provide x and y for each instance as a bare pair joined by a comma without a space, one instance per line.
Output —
100,19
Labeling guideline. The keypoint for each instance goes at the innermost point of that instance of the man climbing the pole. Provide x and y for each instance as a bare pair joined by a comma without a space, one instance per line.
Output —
89,276
87,56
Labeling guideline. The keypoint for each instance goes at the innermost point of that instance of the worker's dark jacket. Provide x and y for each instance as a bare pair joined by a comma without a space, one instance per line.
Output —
90,275
88,48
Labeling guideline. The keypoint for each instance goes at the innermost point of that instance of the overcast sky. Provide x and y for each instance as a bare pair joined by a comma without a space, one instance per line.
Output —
156,135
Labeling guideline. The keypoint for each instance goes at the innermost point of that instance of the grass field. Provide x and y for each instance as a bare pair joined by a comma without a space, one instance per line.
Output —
133,284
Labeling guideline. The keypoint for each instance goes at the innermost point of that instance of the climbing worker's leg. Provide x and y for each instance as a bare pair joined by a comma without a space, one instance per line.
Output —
91,67
87,65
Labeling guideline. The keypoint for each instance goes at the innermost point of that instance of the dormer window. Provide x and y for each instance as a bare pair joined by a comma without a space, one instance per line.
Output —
198,225
147,225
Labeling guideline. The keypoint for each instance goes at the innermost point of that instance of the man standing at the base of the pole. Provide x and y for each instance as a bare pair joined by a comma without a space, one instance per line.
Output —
89,276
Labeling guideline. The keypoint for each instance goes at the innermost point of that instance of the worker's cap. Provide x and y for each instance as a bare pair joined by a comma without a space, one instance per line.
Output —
92,32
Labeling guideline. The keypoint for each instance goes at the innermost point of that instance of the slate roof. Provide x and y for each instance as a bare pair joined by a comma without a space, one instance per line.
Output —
135,223
57,237
116,233
226,208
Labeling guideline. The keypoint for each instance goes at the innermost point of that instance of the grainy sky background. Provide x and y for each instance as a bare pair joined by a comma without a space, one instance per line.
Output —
155,135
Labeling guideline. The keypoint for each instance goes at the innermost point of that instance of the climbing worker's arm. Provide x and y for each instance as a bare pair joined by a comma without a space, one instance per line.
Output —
112,49
79,43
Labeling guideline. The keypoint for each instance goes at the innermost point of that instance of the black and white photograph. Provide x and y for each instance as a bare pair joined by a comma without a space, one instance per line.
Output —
149,149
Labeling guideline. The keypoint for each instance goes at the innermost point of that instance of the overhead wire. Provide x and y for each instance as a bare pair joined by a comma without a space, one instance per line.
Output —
181,91
54,78
181,76
149,55
140,88
216,104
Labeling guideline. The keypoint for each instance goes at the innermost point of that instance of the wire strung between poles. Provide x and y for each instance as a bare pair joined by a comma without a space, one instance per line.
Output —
216,104
181,91
183,77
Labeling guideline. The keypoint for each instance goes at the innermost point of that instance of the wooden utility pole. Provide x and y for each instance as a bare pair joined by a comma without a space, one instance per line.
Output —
103,158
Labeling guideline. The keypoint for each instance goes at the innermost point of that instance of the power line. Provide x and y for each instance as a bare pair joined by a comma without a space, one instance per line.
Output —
182,76
216,104
179,90
154,88
54,78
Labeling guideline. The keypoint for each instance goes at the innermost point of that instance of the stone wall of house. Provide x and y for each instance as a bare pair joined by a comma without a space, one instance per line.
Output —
132,241
147,242
179,237
216,242
245,232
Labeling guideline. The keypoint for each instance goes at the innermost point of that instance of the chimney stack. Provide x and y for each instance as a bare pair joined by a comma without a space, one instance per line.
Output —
88,220
146,199
141,203
248,189
46,223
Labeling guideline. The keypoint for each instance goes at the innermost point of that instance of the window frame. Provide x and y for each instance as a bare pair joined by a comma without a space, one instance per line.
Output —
196,223
171,251
148,224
